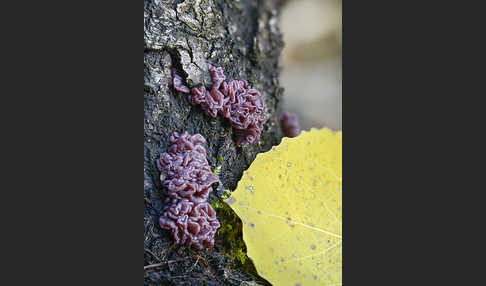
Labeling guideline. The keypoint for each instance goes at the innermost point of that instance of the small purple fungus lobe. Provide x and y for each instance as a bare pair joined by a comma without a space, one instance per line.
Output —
234,100
290,124
189,178
178,84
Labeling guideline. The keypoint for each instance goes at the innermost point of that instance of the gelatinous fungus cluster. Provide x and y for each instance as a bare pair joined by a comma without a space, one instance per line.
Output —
189,178
290,124
235,100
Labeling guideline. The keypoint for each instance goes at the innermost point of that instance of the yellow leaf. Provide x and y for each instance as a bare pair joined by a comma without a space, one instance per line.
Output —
290,203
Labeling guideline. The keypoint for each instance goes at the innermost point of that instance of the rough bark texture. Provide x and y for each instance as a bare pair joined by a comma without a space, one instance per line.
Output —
242,37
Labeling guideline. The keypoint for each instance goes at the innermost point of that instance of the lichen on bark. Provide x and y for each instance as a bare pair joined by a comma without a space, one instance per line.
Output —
243,38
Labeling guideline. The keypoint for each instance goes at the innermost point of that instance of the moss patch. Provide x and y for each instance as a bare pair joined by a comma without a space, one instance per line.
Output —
230,238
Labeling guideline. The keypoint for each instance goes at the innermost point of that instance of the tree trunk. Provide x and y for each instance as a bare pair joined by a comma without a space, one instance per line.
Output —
242,37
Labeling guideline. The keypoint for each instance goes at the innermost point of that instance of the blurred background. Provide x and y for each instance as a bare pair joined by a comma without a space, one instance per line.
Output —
311,62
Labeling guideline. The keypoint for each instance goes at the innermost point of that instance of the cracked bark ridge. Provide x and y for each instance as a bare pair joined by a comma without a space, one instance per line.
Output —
241,37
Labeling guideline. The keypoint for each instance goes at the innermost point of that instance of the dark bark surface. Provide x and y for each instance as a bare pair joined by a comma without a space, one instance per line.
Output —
242,37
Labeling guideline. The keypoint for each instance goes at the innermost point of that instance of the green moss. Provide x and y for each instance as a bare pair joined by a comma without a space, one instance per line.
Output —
226,194
230,233
217,169
230,238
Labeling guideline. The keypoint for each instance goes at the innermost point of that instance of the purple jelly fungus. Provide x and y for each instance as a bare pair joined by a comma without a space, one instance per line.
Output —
290,124
234,100
189,178
178,84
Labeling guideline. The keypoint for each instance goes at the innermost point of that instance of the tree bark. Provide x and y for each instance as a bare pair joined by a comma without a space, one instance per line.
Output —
242,37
